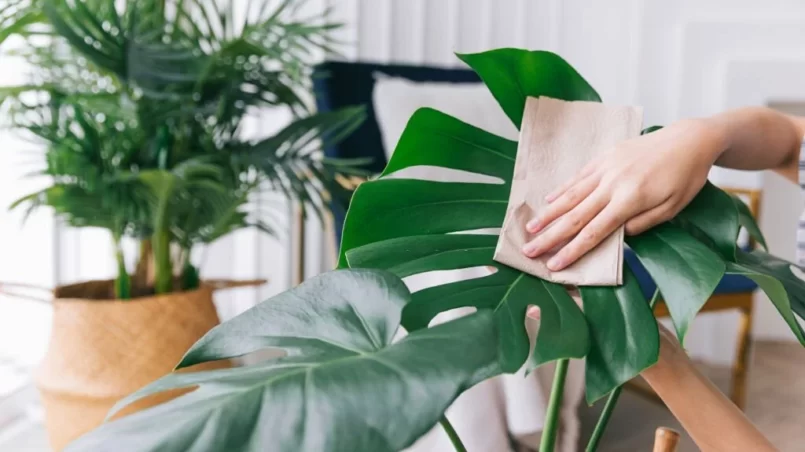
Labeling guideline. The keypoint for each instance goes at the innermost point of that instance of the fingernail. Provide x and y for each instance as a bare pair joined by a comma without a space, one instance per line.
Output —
550,197
529,249
555,263
532,226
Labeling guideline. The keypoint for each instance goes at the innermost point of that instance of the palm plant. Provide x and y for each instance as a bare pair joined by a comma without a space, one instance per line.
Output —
141,106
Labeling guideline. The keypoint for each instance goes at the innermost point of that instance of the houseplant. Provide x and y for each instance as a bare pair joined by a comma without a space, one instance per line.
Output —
140,106
408,227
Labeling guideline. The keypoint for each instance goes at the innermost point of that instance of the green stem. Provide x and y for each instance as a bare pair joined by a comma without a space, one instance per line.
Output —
451,433
552,416
163,267
161,241
123,280
603,420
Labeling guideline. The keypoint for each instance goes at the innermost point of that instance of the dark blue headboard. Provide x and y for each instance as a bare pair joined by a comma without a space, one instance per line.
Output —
342,84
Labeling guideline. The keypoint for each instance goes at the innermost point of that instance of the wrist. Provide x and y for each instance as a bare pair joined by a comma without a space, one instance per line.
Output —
714,134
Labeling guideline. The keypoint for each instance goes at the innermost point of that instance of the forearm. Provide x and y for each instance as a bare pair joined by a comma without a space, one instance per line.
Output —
756,138
712,420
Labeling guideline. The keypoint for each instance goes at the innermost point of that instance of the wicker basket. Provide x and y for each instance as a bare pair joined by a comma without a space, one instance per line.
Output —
102,350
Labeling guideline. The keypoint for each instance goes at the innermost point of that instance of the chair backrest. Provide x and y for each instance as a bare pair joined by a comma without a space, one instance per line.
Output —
338,84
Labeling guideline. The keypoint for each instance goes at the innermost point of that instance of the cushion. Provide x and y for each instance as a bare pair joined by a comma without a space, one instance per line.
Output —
338,84
395,99
729,284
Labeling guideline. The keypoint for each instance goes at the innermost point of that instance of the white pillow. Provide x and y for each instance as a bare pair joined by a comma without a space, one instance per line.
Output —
396,99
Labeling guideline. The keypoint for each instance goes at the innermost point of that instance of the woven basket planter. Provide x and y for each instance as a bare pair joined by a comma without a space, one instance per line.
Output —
102,350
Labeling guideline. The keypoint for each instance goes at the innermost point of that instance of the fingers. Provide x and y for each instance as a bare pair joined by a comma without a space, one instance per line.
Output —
649,219
567,226
569,199
590,236
558,191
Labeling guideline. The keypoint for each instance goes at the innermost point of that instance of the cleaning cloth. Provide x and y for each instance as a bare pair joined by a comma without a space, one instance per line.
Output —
557,139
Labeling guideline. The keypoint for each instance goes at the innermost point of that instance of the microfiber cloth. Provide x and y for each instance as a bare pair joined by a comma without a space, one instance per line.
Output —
557,138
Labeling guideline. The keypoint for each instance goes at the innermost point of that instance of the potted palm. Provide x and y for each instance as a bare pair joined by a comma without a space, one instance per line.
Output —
140,106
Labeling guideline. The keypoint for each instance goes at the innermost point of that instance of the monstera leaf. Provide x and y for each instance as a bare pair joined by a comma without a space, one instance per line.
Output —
617,317
342,386
405,226
781,282
411,227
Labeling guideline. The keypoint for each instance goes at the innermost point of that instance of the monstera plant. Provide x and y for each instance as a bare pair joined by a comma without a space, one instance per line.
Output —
416,226
345,385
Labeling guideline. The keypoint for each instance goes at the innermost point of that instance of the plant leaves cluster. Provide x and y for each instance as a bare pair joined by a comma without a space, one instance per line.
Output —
413,227
142,106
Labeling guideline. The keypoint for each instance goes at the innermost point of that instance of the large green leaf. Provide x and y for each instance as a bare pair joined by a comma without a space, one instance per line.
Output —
390,208
747,220
624,335
343,385
685,270
514,74
405,226
720,229
507,292
776,277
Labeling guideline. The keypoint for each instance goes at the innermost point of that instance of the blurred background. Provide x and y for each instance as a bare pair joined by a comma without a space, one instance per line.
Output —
677,59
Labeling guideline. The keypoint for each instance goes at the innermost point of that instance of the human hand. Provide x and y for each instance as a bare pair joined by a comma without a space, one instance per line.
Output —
640,183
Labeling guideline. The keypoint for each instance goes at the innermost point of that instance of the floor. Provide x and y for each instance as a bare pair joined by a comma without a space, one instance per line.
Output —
776,404
24,330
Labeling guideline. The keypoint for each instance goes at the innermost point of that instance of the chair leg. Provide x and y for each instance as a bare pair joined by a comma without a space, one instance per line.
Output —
741,365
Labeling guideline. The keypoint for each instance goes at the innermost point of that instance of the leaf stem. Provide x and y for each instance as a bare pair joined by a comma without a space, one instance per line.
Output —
162,259
552,416
123,280
451,433
603,420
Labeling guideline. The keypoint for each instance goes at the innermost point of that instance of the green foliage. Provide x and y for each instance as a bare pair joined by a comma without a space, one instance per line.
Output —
512,75
410,227
342,385
407,235
686,270
141,109
615,318
776,277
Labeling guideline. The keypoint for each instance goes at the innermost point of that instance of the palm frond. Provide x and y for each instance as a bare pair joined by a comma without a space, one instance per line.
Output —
291,161
139,107
17,16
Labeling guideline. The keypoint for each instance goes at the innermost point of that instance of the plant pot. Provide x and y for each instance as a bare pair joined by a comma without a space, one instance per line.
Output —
102,350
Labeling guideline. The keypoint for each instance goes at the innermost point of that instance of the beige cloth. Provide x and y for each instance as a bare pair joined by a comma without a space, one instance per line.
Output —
557,138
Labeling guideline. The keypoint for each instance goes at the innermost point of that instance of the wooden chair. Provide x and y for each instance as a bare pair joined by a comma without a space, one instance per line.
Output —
713,422
665,440
734,293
